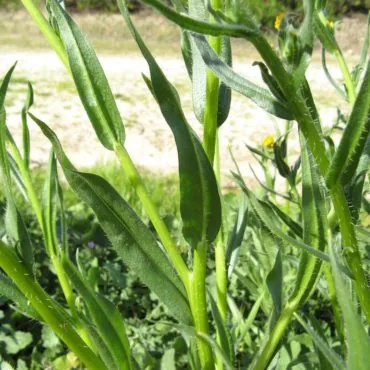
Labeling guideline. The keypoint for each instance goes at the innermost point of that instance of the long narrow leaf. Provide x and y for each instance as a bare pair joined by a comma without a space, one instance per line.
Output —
105,316
25,130
356,128
357,338
322,346
315,225
90,80
128,234
200,204
238,83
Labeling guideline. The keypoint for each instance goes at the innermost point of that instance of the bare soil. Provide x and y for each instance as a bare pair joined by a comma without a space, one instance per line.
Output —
148,138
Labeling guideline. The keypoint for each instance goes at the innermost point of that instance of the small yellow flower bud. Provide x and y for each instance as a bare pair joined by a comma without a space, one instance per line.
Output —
278,20
330,24
268,142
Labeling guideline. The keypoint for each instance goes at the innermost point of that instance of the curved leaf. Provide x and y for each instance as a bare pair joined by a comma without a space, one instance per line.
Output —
357,127
90,80
238,83
129,236
200,201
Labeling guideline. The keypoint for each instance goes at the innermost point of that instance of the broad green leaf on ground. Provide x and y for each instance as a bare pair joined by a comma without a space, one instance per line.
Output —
132,240
90,80
257,94
200,204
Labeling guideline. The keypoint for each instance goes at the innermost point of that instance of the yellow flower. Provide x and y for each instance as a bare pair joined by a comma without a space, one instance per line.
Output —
278,20
330,24
268,142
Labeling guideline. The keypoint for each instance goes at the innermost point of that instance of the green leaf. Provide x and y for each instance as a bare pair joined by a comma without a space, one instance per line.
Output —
236,236
9,290
214,29
189,333
226,340
315,225
357,127
357,339
104,314
274,282
15,226
15,341
261,213
200,204
329,76
90,80
324,33
355,191
356,73
322,345
49,205
238,83
168,360
271,83
280,156
129,236
25,130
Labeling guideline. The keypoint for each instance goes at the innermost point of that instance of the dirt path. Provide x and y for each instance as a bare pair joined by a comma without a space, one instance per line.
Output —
149,140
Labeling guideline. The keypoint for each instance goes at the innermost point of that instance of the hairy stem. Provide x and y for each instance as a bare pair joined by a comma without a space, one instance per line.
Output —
47,308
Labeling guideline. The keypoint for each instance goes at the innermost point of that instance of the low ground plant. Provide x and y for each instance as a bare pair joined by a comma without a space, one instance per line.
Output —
237,288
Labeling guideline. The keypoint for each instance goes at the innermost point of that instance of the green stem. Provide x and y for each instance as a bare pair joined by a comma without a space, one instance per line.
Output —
346,76
47,308
49,245
315,140
350,247
220,261
161,228
269,348
211,107
198,304
46,30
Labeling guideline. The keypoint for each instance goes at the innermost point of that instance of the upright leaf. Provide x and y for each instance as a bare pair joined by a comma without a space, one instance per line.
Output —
90,80
357,127
357,339
129,236
315,225
15,226
200,201
25,131
105,316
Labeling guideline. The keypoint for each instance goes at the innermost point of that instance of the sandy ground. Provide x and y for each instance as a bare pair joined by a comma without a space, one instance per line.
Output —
149,140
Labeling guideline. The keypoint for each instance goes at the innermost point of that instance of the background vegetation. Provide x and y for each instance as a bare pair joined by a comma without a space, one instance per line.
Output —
265,10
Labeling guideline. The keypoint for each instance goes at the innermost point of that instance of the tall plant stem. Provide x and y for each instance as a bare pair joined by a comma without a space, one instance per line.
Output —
350,248
50,247
300,110
46,30
212,91
346,76
273,341
220,261
198,304
47,308
163,233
